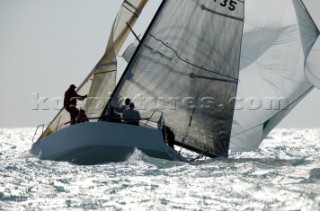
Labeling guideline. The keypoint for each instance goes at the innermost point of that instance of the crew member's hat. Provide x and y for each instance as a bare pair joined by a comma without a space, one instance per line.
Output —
73,86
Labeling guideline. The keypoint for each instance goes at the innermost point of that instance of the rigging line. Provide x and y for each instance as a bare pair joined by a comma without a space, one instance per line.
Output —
150,48
153,50
194,65
133,32
190,120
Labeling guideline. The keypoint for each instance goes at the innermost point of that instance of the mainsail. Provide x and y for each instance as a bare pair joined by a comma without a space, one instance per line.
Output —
309,22
272,78
102,78
186,67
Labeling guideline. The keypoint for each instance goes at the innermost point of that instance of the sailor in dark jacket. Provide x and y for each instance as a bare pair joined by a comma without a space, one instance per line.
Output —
70,102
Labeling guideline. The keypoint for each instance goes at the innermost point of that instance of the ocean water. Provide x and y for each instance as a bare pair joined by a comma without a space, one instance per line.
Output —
283,174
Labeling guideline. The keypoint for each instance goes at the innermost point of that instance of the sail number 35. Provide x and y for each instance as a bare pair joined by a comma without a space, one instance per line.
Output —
231,4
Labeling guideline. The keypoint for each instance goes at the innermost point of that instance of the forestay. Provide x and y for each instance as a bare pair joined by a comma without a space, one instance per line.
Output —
272,78
102,79
187,67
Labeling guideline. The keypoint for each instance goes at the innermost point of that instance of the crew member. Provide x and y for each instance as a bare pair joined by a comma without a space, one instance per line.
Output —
70,102
131,116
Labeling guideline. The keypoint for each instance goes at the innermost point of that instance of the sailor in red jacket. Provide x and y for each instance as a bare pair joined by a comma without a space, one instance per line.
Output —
70,102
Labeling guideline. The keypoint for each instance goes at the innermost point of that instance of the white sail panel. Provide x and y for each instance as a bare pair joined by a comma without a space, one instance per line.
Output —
308,30
309,21
102,79
187,67
313,7
272,78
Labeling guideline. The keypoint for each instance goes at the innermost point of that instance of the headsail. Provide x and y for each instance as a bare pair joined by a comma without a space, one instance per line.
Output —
309,22
272,78
187,67
102,78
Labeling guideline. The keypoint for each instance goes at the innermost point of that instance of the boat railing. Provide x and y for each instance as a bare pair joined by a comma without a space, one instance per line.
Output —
153,122
35,133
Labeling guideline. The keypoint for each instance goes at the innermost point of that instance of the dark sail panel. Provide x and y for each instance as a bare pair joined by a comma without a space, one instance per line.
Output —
187,67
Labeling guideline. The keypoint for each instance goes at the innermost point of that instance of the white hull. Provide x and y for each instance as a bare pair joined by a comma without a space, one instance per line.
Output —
101,142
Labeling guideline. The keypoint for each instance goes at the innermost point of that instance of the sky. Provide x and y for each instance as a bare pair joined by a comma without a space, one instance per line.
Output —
47,45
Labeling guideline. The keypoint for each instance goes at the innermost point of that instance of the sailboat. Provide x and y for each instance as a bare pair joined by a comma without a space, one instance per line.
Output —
178,57
194,64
